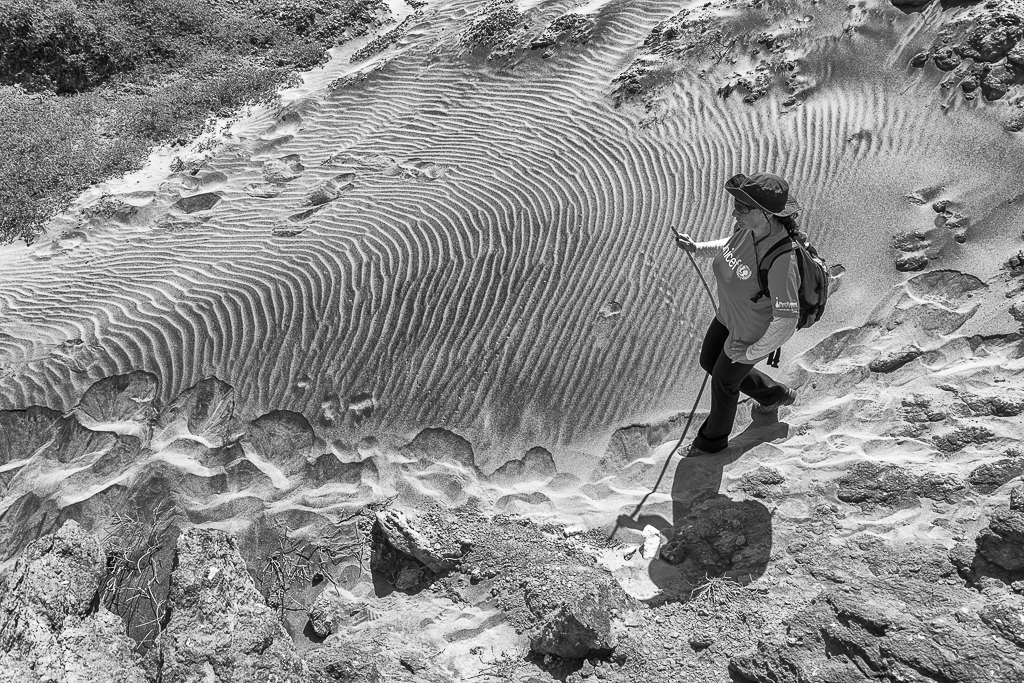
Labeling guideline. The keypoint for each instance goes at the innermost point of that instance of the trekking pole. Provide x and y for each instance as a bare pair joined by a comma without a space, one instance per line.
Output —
700,393
693,411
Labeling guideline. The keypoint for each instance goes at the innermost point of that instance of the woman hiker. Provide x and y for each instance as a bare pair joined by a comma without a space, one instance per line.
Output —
748,327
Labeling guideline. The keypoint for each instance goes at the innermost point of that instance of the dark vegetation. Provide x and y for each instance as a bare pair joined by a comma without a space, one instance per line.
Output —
87,87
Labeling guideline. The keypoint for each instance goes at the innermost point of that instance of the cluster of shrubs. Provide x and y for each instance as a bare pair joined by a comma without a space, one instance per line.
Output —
87,87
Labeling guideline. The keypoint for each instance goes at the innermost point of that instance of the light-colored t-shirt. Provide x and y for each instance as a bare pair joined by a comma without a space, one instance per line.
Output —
735,269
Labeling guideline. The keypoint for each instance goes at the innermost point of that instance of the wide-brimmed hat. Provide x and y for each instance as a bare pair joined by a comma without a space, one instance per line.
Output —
766,191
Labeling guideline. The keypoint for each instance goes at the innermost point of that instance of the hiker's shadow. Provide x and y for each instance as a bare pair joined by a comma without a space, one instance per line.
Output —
711,535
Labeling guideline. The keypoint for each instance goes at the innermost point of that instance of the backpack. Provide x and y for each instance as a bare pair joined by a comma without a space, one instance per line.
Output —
814,281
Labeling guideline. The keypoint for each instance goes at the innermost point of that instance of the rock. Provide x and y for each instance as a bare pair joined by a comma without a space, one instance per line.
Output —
720,537
411,556
876,633
1006,617
45,634
871,485
760,483
990,44
56,577
1017,498
334,608
1002,543
941,486
577,628
121,404
894,360
996,83
990,476
571,27
909,3
437,553
220,627
961,438
920,59
96,650
946,59
1016,55
776,663
912,263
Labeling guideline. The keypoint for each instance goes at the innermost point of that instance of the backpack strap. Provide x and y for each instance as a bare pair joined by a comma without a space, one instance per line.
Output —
783,246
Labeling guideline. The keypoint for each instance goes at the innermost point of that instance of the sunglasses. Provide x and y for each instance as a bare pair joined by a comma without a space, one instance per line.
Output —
743,208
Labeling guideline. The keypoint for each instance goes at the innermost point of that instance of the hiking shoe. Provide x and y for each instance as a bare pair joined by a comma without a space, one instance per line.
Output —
762,409
692,451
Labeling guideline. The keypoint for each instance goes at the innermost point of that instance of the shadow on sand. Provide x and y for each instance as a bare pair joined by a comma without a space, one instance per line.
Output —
710,534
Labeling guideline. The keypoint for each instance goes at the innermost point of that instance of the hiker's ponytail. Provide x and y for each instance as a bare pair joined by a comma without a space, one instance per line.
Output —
793,228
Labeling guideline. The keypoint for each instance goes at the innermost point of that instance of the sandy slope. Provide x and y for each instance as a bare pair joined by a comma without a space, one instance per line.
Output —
481,244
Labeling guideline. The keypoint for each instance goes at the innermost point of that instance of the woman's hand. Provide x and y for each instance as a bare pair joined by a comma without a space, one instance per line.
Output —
686,243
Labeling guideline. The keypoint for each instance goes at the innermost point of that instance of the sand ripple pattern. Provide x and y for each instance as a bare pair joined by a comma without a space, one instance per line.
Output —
443,241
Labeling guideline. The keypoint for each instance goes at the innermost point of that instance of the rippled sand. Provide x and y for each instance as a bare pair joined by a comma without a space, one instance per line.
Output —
429,239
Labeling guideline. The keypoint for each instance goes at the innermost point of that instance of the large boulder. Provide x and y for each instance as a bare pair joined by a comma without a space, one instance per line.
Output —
221,629
577,610
47,633
57,576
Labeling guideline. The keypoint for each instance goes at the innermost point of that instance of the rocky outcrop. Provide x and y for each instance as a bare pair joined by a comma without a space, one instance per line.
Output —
872,634
221,628
49,629
990,476
873,486
982,44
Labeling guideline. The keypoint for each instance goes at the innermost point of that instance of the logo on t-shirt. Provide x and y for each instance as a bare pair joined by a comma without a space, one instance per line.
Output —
735,264
790,306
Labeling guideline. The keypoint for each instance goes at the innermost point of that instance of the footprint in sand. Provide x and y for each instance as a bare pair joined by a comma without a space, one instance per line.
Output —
610,309
920,247
264,190
76,354
138,199
207,182
409,169
328,190
69,240
293,224
196,203
288,123
317,197
283,170
260,147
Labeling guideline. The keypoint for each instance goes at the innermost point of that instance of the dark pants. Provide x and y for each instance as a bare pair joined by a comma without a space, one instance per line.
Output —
728,379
